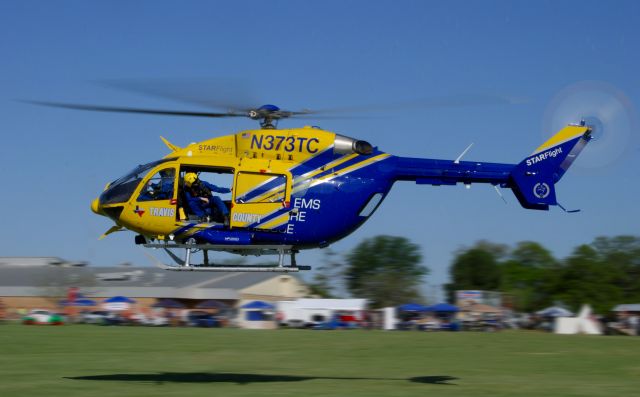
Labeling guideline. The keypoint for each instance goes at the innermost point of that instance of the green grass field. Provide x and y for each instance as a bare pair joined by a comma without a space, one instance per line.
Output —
85,360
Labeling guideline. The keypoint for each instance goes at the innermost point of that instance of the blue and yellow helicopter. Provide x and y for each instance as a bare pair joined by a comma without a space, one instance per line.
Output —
295,189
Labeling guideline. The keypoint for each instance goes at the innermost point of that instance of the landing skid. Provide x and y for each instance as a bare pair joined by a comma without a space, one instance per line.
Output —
190,247
244,269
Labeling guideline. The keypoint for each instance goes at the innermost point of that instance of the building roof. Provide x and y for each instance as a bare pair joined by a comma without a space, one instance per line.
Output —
31,261
48,280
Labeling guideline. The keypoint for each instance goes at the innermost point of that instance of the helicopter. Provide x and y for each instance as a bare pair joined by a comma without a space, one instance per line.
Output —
297,188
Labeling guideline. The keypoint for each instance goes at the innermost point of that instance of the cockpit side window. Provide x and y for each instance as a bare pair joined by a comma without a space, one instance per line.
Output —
120,190
159,186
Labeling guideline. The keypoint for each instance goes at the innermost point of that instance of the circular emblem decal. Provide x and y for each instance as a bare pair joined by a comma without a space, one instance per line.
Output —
541,190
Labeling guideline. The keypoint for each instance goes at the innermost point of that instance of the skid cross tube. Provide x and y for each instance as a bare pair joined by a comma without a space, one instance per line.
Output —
213,268
190,247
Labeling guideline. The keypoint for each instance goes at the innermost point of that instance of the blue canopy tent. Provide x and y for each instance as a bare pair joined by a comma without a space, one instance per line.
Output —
77,302
212,304
258,305
119,299
169,304
256,310
442,308
412,307
408,314
118,303
446,313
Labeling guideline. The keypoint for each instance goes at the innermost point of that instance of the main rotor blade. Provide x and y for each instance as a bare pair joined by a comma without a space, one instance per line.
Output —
114,109
426,103
232,96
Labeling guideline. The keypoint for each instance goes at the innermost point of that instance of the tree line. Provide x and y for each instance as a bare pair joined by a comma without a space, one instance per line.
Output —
388,271
603,273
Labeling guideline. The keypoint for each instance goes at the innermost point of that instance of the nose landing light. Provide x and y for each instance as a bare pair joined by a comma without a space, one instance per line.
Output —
95,207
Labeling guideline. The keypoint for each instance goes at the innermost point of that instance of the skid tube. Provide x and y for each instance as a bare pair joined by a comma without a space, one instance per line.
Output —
190,246
273,269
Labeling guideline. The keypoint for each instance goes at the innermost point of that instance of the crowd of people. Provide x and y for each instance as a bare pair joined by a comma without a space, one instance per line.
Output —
154,317
617,323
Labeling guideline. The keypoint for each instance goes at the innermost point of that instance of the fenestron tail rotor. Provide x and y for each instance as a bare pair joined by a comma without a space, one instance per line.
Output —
604,108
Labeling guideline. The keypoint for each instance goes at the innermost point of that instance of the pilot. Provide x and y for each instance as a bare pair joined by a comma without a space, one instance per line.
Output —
201,200
164,189
160,187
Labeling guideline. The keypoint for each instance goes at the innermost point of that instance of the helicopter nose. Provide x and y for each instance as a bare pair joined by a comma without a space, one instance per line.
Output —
95,207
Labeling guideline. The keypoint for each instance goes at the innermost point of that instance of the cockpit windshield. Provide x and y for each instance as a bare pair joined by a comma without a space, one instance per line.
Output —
121,189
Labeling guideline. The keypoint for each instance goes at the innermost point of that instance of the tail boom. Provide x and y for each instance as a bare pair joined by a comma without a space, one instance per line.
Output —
532,180
450,172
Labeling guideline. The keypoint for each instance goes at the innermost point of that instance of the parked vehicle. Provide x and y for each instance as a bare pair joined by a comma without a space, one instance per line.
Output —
42,317
310,313
114,318
155,321
94,317
197,318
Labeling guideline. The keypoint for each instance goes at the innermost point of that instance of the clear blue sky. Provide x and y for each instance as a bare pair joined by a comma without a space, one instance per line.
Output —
320,55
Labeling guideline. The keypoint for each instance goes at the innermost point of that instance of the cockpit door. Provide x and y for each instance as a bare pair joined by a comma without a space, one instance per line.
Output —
260,199
154,205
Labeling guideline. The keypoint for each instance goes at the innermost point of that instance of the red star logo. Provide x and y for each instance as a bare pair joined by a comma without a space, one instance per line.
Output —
139,211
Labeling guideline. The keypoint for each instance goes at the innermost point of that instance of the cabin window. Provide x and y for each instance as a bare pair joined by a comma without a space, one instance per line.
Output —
255,187
371,205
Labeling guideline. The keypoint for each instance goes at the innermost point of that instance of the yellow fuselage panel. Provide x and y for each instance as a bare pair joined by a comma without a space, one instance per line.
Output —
151,217
293,145
224,146
261,161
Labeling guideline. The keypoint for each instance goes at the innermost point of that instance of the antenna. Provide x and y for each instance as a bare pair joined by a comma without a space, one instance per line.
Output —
457,161
499,193
566,210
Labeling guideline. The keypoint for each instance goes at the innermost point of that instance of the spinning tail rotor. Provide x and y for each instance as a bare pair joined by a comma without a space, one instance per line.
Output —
606,110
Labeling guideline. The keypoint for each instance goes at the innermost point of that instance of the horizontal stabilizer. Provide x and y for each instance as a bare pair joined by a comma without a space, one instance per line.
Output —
112,229
170,145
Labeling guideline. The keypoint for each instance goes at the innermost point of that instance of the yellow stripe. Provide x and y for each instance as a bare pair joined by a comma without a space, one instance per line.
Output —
284,218
352,168
310,174
278,189
326,178
566,134
195,229
325,167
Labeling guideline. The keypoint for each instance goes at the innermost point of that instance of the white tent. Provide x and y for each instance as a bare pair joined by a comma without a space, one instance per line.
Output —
390,319
583,324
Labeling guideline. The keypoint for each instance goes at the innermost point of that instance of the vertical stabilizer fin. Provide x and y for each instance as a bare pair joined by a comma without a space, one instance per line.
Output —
533,180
